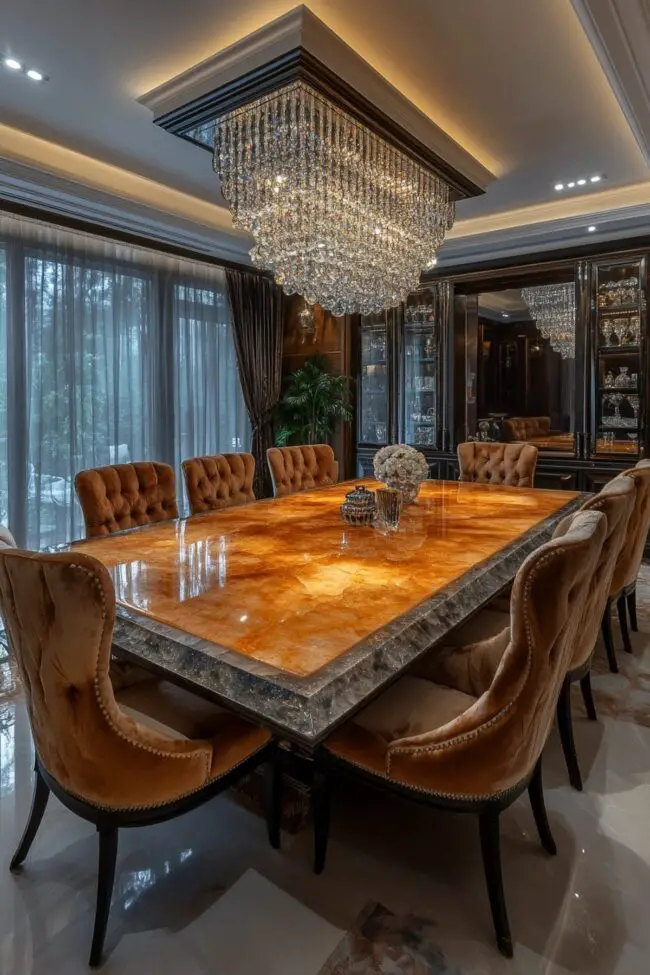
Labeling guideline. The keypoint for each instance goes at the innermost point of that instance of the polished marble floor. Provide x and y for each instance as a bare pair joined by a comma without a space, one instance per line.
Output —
182,885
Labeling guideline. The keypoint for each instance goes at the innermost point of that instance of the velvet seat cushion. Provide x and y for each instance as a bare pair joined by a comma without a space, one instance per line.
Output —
301,468
498,463
177,714
479,729
218,482
126,496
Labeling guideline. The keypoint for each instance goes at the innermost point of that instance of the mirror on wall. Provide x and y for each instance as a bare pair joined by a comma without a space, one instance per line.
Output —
525,376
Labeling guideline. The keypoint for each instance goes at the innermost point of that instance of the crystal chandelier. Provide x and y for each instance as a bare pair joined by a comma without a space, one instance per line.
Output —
338,214
553,309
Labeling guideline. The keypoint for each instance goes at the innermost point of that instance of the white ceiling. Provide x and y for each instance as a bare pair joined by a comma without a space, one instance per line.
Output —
516,82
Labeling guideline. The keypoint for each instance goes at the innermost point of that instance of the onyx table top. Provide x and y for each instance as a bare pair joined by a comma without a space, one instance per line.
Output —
280,609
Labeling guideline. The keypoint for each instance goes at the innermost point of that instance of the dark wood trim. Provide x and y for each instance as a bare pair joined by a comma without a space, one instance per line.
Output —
537,261
300,65
120,236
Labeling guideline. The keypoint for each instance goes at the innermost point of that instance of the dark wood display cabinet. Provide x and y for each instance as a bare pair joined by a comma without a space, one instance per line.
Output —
553,352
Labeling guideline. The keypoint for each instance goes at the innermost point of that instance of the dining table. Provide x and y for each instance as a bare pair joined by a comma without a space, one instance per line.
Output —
282,611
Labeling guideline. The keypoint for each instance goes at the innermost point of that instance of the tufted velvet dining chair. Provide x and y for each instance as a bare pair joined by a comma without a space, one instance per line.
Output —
220,481
301,468
623,588
126,496
616,502
497,463
465,730
118,758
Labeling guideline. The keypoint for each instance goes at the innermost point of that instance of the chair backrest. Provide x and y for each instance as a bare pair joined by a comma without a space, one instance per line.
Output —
219,481
631,555
301,468
498,463
494,745
616,501
126,496
59,610
523,427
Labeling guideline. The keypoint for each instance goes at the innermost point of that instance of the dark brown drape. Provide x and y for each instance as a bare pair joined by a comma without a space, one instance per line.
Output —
258,314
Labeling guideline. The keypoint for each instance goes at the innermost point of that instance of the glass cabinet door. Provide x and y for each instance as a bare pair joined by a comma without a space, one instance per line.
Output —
617,408
421,373
373,381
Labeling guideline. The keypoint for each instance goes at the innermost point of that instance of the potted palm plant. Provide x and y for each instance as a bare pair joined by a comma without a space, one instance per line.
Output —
314,401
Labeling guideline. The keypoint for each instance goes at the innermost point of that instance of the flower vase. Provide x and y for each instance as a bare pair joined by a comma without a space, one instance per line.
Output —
409,490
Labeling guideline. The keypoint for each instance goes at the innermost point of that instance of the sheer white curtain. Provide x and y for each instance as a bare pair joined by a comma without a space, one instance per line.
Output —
107,354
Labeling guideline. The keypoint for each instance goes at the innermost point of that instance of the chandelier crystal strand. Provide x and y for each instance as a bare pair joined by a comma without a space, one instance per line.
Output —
337,214
553,309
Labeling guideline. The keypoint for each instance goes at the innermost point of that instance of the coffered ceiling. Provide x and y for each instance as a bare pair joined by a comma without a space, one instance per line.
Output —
538,92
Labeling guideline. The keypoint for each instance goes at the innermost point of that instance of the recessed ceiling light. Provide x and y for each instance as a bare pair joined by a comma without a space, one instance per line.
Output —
13,64
505,314
591,229
34,75
570,185
595,179
581,182
559,186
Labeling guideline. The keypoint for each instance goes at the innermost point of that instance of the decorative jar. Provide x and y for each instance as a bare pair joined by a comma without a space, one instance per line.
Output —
359,507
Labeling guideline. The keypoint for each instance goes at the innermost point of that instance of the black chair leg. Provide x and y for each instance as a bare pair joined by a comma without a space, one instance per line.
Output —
274,800
321,807
565,724
536,795
491,850
608,638
622,619
105,879
631,608
39,802
588,697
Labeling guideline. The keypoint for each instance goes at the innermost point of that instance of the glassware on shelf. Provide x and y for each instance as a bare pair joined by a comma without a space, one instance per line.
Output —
609,378
623,378
614,293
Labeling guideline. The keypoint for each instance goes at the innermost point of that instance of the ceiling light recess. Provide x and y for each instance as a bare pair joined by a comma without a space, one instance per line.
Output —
352,176
581,181
14,65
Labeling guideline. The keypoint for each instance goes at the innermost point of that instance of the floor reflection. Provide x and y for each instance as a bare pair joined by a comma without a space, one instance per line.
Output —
581,913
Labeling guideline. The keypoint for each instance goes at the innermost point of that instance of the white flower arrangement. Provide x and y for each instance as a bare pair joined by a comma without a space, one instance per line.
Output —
400,463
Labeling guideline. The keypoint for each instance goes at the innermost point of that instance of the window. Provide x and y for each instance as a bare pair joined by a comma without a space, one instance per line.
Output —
126,355
209,408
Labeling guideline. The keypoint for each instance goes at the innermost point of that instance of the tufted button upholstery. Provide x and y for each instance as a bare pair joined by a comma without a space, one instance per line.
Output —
525,427
631,555
296,469
126,496
219,481
498,463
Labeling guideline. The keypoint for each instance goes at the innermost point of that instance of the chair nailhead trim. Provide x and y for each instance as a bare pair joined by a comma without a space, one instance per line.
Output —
469,736
102,704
